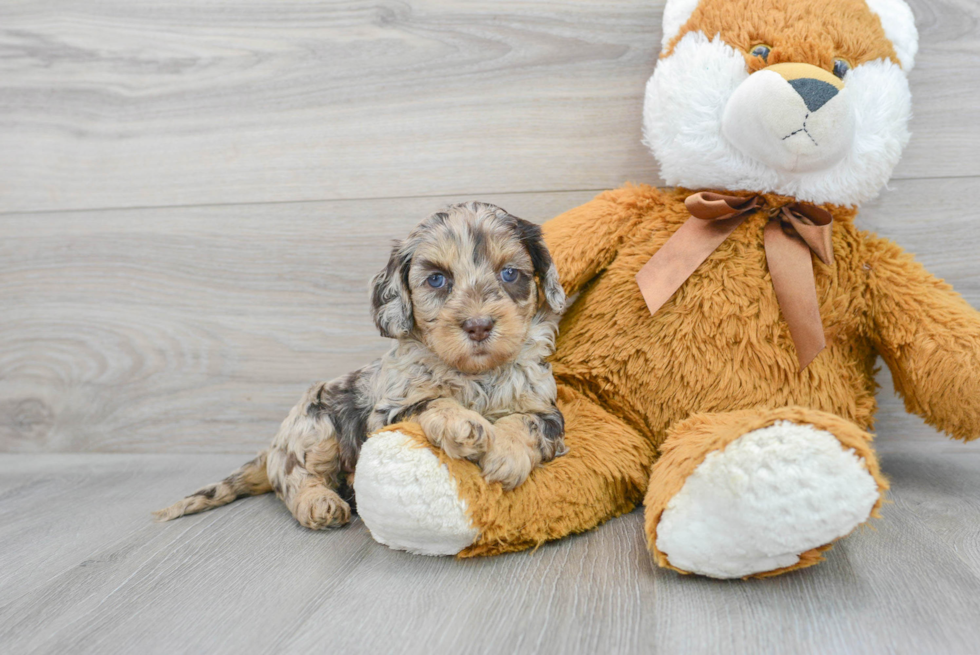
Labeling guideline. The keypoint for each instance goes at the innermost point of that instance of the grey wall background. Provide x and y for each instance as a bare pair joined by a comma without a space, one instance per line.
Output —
193,195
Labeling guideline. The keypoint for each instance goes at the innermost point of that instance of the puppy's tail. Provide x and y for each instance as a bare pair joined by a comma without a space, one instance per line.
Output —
248,480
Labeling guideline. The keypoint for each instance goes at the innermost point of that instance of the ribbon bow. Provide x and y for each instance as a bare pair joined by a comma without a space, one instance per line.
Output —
793,231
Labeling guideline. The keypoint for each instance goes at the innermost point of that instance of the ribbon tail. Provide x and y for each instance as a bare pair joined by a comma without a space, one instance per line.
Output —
818,237
677,259
791,269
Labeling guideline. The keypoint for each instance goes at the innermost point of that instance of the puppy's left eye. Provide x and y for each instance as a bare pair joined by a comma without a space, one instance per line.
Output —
509,274
436,280
841,66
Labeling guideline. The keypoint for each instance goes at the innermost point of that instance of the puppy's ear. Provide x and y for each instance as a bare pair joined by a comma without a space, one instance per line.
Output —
544,267
391,300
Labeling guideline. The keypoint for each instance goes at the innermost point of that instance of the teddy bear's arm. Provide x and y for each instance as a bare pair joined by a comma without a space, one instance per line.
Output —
929,337
584,241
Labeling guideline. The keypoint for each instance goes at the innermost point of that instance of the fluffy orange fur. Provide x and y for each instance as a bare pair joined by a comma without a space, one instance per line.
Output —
716,361
647,397
800,32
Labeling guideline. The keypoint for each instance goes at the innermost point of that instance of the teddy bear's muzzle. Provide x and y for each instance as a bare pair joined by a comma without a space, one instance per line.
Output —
796,118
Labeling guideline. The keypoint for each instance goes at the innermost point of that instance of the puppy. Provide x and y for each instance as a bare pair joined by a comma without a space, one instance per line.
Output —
472,299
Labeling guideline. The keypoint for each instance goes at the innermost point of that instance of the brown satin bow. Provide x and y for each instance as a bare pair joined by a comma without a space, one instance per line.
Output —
793,230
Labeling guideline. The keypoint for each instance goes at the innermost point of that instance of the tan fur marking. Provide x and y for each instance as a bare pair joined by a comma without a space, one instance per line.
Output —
323,461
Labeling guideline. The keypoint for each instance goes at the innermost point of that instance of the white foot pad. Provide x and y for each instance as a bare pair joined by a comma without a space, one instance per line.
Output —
407,498
771,495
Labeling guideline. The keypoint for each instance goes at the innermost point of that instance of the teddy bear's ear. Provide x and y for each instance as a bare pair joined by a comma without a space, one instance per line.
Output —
899,24
676,14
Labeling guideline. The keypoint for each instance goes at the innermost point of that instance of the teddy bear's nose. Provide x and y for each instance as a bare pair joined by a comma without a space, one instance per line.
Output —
815,93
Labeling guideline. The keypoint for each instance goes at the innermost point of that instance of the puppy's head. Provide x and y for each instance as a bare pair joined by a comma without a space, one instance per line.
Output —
468,283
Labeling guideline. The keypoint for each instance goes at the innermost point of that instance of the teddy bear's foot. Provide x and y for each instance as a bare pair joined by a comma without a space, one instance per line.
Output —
407,498
769,500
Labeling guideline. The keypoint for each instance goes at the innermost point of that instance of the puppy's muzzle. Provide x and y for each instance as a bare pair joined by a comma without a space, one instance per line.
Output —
479,328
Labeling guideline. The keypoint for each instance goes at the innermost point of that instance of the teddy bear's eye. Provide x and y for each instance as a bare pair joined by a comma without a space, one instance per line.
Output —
841,66
761,50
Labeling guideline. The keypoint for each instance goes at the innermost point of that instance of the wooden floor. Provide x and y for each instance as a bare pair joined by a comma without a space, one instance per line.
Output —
193,195
83,570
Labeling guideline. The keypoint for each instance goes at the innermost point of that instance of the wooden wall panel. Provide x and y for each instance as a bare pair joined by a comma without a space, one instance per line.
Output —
190,328
110,103
195,329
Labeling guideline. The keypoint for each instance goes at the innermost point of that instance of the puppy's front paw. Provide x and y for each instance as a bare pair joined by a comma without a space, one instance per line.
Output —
512,454
461,433
508,467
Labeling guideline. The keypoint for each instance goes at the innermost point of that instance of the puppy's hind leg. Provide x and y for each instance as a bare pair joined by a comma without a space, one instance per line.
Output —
306,483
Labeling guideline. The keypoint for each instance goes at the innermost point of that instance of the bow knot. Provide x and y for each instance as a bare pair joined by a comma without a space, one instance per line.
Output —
794,229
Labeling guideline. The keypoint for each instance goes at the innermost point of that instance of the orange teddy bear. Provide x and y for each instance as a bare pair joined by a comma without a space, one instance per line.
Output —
718,361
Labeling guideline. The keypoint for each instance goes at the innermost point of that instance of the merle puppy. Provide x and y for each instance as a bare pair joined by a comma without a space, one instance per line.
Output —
472,299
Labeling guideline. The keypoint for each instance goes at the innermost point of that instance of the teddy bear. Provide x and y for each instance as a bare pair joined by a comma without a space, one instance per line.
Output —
717,361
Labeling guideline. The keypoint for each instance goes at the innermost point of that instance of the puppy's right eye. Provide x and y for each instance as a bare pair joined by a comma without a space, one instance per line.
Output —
509,274
436,280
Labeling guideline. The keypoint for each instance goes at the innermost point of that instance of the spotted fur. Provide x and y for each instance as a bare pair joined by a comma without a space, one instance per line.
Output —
491,401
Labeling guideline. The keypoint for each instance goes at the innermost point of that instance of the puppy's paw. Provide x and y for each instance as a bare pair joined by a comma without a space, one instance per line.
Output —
460,432
508,467
512,454
317,509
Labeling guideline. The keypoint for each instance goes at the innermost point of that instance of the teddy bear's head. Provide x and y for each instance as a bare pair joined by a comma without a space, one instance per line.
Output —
804,98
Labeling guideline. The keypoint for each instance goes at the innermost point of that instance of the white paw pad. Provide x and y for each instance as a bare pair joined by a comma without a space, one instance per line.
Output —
769,496
408,500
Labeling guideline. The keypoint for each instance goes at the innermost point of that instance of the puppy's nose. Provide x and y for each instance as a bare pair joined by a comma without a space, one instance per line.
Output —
815,93
478,329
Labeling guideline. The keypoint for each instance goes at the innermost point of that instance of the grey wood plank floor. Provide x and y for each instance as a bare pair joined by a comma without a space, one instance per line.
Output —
84,571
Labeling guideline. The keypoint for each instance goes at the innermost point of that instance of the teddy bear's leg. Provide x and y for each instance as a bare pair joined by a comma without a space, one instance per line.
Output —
759,492
414,497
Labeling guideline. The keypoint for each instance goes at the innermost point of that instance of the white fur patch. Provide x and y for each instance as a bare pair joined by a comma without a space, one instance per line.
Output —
676,14
899,25
768,120
682,119
771,495
408,500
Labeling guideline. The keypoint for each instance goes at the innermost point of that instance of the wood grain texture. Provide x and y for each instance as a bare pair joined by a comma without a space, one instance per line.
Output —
192,325
190,328
108,103
195,329
84,571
